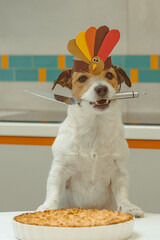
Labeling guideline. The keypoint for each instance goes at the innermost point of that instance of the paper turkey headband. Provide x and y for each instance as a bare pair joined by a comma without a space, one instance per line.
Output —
93,48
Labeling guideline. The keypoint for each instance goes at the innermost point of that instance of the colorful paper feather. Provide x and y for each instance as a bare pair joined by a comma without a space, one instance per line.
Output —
109,42
90,39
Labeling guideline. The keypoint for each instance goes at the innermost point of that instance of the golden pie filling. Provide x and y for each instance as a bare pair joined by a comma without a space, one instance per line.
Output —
74,217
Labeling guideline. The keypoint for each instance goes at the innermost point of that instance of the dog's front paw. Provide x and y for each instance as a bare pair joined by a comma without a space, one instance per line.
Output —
132,209
43,207
46,206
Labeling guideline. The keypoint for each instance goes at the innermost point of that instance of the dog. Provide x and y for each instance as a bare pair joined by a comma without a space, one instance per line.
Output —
90,153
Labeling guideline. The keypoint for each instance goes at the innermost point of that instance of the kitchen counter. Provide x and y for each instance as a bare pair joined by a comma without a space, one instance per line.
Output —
44,129
41,128
146,228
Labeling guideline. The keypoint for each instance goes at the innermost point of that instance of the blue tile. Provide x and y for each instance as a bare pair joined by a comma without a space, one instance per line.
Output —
118,60
52,75
6,75
149,76
141,62
127,71
45,61
69,61
26,75
159,61
20,61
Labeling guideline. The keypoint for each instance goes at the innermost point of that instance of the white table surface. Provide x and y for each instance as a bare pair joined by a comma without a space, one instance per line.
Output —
147,228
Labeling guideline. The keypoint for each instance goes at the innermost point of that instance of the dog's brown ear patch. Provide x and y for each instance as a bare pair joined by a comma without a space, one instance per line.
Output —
122,76
64,79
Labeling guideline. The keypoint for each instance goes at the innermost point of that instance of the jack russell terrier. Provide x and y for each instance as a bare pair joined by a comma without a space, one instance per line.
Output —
90,153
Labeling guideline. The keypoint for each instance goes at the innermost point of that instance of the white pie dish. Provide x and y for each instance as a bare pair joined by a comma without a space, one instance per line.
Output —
118,231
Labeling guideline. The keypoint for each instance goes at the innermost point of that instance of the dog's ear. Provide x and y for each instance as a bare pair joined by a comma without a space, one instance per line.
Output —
122,76
64,79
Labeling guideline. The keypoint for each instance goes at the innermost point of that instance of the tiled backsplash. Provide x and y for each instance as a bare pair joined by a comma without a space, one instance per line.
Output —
47,68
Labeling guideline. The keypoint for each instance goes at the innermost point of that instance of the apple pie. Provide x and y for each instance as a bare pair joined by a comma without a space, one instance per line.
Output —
74,217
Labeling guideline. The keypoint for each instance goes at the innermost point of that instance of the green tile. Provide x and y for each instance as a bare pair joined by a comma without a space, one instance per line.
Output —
52,75
6,75
27,75
149,76
141,62
20,61
69,61
45,61
118,60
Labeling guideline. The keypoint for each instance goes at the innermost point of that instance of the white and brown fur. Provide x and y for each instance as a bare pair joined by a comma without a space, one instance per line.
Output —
90,153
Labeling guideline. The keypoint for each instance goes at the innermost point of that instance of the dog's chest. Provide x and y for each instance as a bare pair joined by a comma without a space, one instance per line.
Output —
91,182
95,163
93,169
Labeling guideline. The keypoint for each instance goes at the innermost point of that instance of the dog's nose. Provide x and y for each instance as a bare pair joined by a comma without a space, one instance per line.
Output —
101,90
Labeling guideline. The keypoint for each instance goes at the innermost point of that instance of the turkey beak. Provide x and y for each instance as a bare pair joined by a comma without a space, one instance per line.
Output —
94,67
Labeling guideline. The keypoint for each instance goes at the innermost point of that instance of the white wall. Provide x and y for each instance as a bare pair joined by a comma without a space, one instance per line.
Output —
36,27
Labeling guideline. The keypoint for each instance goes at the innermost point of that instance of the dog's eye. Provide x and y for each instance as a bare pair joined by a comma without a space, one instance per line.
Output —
109,75
82,79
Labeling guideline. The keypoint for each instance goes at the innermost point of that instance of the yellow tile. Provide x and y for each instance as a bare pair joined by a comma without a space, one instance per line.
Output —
61,62
154,62
4,61
42,75
134,75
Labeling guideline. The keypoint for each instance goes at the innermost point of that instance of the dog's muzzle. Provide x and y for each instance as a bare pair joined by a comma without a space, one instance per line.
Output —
102,102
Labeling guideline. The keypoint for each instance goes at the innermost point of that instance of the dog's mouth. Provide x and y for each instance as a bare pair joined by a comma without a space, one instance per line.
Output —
101,104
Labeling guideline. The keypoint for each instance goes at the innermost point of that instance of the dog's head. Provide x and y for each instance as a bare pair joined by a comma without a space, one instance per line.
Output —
93,77
97,89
